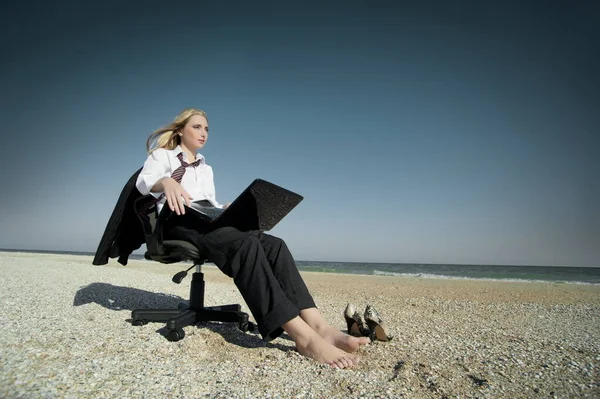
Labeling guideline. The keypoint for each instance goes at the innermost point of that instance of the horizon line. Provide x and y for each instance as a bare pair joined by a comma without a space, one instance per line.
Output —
88,253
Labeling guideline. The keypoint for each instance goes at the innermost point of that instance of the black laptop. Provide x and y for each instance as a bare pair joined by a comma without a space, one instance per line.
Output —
259,207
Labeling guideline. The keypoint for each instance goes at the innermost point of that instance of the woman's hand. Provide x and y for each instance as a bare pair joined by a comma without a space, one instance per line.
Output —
175,194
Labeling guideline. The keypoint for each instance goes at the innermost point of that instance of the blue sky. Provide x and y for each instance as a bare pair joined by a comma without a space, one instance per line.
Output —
429,133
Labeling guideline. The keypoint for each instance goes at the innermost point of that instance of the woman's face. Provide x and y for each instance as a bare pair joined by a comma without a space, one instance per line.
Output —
195,133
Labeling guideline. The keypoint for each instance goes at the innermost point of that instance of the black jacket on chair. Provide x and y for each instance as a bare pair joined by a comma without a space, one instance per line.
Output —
124,233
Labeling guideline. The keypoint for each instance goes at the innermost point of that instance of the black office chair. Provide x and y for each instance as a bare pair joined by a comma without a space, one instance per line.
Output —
171,251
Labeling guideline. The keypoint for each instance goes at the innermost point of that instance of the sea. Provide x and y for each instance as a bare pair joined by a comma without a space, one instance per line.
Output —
556,274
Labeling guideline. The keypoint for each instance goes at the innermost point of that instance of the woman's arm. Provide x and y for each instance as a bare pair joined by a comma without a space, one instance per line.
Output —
174,193
154,178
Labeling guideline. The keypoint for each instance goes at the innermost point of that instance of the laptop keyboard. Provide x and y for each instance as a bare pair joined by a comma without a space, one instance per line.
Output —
206,208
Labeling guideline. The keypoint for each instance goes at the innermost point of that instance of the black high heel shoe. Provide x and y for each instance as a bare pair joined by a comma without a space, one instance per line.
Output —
379,331
355,323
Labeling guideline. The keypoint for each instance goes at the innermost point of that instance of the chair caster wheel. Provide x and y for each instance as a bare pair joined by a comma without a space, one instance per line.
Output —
175,335
247,326
139,322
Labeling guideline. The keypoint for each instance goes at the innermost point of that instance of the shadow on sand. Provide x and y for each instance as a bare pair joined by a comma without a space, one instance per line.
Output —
114,297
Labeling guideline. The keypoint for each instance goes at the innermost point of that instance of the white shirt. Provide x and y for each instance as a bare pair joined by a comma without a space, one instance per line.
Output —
198,181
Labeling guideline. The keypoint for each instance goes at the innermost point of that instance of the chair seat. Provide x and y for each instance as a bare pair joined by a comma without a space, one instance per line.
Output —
176,251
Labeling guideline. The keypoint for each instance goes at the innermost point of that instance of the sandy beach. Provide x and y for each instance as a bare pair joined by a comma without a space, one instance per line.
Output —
65,334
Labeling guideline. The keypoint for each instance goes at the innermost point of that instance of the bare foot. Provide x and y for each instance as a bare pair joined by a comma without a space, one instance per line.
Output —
335,337
312,345
342,340
322,351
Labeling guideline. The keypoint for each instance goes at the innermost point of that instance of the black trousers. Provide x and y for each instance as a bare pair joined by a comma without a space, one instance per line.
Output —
260,264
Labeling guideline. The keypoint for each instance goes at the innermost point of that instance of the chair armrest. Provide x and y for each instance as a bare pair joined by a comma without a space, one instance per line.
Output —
169,251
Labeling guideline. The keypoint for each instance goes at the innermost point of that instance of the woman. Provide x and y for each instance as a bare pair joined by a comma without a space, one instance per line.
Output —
261,265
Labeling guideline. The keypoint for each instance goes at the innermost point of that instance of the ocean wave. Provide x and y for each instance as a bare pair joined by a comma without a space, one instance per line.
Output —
446,277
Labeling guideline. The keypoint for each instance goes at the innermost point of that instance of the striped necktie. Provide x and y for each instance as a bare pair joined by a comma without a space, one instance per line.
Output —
178,173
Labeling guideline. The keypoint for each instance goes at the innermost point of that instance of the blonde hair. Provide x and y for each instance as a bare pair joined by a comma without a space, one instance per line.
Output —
167,136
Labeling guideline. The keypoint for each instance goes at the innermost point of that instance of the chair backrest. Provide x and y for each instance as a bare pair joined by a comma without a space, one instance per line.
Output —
135,221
